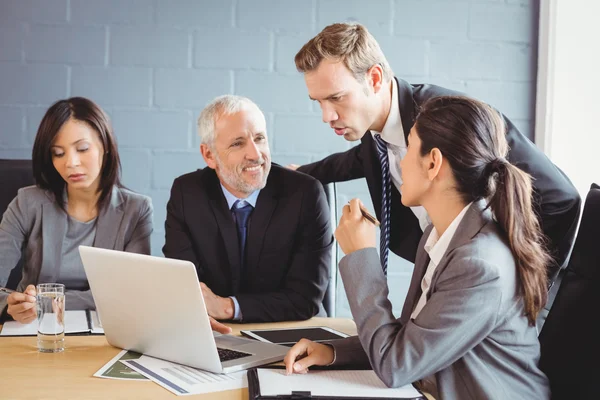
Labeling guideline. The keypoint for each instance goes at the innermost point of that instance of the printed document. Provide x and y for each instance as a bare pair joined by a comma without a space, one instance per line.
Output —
117,370
184,380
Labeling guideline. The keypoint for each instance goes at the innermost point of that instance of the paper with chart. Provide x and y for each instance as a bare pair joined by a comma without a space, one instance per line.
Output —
183,380
353,383
117,370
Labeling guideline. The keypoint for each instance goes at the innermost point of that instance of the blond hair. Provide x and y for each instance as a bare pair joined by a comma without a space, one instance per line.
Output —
350,43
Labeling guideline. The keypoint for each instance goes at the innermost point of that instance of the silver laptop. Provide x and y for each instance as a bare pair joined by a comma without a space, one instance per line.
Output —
154,306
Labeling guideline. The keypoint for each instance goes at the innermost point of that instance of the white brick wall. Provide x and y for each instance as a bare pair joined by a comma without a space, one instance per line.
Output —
32,83
157,129
12,121
237,49
66,44
11,37
153,64
113,12
133,45
119,86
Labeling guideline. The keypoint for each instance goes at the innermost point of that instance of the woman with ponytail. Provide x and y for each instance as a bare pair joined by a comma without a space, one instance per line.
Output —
467,328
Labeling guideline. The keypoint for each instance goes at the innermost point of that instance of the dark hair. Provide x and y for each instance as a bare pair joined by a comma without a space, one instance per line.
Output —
471,135
84,110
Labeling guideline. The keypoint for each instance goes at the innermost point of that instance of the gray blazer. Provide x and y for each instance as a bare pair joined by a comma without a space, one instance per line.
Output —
472,333
33,228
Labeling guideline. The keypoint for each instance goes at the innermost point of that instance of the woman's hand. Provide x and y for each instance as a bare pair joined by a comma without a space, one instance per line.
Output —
354,232
306,353
21,306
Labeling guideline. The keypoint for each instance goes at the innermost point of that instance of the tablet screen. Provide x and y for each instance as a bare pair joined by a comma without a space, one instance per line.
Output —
291,336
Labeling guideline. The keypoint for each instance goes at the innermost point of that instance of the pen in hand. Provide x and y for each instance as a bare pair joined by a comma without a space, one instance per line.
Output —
368,216
6,290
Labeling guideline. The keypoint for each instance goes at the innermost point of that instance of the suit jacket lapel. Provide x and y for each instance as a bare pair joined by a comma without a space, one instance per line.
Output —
226,224
259,222
407,106
475,218
109,221
54,229
414,290
373,171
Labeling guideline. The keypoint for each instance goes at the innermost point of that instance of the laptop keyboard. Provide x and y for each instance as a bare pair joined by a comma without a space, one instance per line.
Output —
228,355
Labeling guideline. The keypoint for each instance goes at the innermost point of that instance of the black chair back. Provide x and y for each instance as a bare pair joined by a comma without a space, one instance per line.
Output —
570,337
330,293
14,174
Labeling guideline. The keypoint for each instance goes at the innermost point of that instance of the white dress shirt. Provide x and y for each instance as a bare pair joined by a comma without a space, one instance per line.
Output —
436,247
393,135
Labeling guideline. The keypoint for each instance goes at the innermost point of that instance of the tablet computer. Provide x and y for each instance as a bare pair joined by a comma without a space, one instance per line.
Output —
290,336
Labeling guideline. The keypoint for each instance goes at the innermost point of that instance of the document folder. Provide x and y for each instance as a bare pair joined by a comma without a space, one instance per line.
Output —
77,322
323,384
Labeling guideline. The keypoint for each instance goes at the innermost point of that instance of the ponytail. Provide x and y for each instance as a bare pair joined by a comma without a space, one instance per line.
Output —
510,201
472,137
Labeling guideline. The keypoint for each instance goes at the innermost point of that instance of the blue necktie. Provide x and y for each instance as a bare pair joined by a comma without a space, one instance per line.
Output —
386,194
241,215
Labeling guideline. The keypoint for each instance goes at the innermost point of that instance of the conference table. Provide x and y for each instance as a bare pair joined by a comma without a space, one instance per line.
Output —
27,374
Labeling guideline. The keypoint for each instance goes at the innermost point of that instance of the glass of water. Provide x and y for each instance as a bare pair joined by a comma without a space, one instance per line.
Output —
51,317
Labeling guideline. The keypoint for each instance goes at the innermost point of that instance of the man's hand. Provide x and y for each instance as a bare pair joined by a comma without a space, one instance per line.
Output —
306,353
21,306
218,327
354,232
218,307
292,166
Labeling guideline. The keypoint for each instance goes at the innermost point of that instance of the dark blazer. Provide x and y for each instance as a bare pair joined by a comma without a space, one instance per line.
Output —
288,245
556,200
34,226
471,334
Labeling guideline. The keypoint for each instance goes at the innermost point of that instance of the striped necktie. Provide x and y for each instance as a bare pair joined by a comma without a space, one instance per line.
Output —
386,194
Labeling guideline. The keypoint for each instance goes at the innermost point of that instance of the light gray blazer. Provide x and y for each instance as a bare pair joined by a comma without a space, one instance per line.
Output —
33,227
472,333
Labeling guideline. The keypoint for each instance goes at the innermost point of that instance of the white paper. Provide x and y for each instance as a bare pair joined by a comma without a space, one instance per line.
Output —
95,322
353,383
183,380
116,370
76,321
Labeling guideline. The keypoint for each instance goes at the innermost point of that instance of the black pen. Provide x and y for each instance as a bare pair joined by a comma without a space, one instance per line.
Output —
6,290
368,216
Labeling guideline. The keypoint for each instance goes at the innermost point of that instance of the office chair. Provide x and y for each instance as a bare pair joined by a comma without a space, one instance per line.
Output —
329,299
570,339
14,174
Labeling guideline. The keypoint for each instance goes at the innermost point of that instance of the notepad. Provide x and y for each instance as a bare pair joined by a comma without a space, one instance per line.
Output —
76,321
346,383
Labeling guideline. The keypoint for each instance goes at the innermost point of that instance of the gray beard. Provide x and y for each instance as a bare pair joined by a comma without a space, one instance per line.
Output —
236,182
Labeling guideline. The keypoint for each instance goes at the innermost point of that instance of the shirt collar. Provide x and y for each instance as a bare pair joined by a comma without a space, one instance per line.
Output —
232,199
393,123
436,246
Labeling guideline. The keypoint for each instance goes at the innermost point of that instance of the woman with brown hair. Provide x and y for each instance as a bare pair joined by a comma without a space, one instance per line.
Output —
78,200
467,329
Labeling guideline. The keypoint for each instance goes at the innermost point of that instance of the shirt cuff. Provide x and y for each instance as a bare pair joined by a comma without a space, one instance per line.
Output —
334,354
237,312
